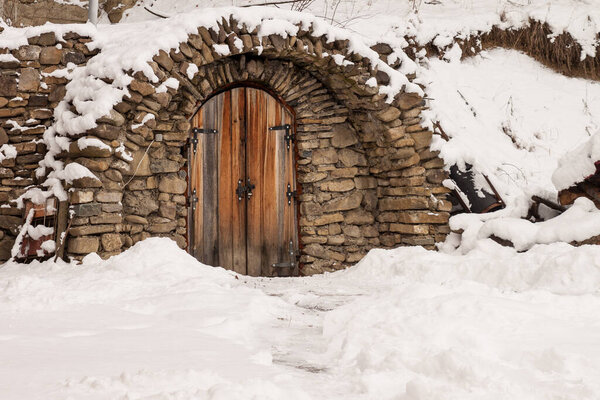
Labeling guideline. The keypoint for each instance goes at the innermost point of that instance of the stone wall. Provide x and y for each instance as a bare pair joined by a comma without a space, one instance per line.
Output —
366,174
38,12
27,99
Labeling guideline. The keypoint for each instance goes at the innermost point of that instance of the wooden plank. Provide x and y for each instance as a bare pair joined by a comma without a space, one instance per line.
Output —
225,190
291,211
271,190
255,133
238,167
212,114
196,183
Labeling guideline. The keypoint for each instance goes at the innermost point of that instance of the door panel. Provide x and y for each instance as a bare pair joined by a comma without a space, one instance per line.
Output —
250,235
255,141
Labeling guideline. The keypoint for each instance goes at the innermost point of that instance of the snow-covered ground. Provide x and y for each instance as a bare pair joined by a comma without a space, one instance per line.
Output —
405,324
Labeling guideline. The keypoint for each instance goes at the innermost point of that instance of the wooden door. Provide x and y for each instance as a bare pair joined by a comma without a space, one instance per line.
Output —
243,214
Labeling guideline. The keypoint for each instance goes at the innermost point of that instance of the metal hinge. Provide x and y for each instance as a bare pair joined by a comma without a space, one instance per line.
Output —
196,131
290,194
289,136
293,263
194,200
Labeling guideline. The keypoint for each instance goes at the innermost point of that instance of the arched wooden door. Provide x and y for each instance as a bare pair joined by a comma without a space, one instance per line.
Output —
242,184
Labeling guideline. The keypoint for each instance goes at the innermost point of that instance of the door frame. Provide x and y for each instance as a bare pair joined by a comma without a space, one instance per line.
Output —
187,146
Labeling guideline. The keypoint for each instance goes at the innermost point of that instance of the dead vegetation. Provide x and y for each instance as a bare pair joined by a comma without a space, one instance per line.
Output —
561,52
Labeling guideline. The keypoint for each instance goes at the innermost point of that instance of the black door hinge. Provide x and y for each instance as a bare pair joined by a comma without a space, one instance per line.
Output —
291,194
194,199
289,136
196,131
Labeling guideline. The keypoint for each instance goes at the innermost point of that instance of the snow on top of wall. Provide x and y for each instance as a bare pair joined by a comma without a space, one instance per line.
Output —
127,48
437,21
578,164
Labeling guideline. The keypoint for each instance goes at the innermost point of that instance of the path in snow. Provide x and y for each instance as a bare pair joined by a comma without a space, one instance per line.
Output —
407,324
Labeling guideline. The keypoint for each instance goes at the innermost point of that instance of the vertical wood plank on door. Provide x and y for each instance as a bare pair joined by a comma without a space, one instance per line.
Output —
256,128
210,183
290,215
196,183
224,189
271,190
238,167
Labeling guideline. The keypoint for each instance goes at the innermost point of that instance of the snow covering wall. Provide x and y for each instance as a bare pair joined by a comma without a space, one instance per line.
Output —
31,87
368,177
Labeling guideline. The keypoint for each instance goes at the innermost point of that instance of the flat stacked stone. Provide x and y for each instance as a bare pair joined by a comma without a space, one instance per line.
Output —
366,173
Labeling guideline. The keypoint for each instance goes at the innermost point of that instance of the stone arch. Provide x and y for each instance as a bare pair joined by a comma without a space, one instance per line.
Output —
367,174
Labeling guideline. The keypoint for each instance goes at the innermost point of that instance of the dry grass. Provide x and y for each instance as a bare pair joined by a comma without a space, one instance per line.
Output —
560,53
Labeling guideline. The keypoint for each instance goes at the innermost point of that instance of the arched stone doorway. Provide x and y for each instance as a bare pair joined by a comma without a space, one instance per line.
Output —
242,183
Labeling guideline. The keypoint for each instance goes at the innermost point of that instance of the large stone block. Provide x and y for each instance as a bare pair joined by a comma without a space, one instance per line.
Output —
50,56
172,184
140,203
111,242
348,202
83,245
404,203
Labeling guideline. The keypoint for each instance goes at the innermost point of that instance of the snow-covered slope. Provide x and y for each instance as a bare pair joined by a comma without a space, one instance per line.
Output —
406,324
510,117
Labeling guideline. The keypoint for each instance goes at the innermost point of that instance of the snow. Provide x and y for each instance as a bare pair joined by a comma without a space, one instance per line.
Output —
510,117
191,71
7,151
578,223
402,324
578,164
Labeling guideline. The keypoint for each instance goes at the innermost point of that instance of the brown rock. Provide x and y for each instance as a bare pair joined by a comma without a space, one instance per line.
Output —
422,139
140,164
108,197
406,101
111,242
343,136
324,156
83,245
28,53
424,217
91,230
351,158
403,203
89,151
312,177
143,88
365,182
162,227
343,185
3,138
6,245
359,217
8,86
41,113
113,118
10,223
81,196
389,114
50,56
136,219
167,210
29,80
327,219
139,203
410,229
164,60
348,202
172,184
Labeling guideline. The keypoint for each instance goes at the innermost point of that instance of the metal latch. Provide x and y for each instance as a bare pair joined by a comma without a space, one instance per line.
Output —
244,189
196,131
289,136
290,194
